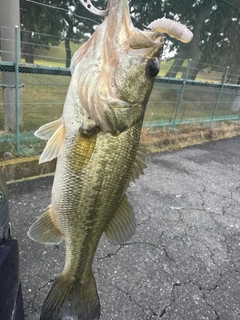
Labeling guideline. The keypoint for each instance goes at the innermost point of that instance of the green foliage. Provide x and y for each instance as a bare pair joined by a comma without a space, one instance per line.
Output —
223,28
39,28
215,24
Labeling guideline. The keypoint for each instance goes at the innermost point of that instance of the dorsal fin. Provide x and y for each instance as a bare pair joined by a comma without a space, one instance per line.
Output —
139,163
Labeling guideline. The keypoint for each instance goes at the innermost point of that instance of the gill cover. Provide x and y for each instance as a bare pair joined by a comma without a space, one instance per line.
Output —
115,44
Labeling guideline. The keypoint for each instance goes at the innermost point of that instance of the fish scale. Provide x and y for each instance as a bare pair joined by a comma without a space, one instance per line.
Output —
96,142
97,198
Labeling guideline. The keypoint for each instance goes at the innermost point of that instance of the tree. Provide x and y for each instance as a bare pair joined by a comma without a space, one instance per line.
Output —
215,25
80,24
144,12
77,23
223,46
216,28
194,15
49,22
37,23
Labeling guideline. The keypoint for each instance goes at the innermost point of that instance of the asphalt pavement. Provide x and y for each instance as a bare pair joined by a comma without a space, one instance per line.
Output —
183,263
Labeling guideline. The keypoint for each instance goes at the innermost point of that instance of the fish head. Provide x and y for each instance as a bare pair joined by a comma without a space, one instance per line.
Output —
115,70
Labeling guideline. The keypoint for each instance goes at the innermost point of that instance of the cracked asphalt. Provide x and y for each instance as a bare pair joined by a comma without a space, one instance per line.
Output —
183,263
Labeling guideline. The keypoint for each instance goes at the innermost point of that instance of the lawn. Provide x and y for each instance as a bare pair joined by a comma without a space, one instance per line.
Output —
56,56
42,99
43,96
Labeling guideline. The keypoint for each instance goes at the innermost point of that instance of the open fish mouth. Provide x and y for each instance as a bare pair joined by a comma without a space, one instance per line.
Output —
107,59
163,25
113,75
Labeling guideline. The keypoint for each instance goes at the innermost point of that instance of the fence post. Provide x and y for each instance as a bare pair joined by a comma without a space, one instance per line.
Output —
182,93
17,87
220,93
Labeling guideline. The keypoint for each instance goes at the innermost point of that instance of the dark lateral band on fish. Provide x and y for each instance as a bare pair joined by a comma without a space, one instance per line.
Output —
96,142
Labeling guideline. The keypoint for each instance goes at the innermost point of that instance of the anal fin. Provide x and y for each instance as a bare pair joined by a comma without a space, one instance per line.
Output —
44,230
122,225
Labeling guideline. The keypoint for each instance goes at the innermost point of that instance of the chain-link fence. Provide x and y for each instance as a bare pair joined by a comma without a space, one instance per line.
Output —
175,102
41,94
185,92
42,91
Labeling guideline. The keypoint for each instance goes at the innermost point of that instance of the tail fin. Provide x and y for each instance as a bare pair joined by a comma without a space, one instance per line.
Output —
70,299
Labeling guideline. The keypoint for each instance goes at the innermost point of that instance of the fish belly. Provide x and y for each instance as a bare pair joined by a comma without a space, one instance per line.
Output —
89,185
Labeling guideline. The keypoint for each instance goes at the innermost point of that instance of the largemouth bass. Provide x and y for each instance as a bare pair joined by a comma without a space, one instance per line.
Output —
96,142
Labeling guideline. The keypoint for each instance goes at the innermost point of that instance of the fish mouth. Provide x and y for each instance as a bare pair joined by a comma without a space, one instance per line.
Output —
119,24
116,43
109,60
121,31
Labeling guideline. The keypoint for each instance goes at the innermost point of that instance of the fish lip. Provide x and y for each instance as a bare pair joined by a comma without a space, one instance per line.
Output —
119,23
110,47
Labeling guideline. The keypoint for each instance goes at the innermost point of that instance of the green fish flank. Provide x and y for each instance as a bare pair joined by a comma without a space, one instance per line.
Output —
91,195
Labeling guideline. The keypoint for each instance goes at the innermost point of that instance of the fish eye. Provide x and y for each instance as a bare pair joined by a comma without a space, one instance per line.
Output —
152,67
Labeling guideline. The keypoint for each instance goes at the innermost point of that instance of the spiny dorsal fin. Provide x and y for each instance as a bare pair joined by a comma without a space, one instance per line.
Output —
122,225
139,164
44,230
54,144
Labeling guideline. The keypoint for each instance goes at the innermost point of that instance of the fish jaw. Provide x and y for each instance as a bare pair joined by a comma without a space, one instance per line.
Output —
118,23
113,84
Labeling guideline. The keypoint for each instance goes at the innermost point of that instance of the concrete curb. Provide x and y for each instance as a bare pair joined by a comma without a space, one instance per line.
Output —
23,168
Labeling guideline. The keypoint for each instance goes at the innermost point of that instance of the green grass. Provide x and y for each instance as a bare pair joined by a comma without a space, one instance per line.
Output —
197,102
57,52
42,99
48,63
55,57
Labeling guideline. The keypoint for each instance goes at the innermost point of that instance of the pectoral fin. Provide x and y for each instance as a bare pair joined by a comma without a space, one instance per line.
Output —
47,130
45,230
55,132
122,225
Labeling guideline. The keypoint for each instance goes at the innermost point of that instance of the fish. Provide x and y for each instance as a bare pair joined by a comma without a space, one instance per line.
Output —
96,143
